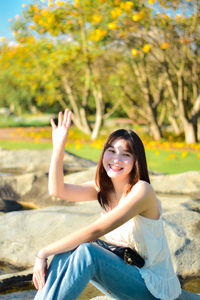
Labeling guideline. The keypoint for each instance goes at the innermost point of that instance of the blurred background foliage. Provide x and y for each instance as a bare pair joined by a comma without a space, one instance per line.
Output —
137,60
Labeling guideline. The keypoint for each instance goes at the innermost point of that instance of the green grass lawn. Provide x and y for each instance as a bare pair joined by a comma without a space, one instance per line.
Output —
172,162
169,162
18,145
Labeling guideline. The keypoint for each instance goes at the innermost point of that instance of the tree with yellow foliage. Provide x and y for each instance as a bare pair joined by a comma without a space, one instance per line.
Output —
157,49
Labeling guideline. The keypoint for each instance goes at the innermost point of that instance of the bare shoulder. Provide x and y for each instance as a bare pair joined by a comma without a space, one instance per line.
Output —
143,187
147,197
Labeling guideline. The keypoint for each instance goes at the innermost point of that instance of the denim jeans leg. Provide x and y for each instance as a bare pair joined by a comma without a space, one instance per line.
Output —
68,275
70,272
116,279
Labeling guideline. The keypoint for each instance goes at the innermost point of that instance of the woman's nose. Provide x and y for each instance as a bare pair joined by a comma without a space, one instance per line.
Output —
117,157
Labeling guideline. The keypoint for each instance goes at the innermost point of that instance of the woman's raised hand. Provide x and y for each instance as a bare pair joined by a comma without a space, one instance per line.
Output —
60,132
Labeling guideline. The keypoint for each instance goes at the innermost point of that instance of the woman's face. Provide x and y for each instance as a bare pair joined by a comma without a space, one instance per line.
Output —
118,161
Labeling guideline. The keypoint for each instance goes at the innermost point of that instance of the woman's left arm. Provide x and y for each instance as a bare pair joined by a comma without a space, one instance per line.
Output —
137,201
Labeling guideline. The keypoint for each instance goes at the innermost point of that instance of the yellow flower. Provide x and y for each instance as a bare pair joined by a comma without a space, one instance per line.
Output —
126,5
41,22
117,12
24,5
134,52
45,12
184,154
136,17
112,25
17,17
198,155
146,48
59,3
78,145
164,46
50,3
98,34
97,18
10,19
76,3
152,1
2,39
31,26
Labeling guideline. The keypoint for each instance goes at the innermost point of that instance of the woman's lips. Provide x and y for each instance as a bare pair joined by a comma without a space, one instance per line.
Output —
115,168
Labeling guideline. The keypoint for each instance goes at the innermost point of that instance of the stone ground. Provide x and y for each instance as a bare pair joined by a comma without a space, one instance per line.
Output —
87,294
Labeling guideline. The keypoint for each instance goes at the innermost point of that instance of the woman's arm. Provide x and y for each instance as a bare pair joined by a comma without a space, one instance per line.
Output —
139,200
56,185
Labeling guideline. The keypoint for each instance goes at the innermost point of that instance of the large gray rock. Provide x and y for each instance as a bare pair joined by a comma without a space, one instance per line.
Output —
20,161
24,179
20,244
13,187
81,177
183,233
23,233
183,183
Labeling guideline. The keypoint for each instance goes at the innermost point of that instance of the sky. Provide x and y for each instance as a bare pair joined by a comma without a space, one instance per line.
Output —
9,9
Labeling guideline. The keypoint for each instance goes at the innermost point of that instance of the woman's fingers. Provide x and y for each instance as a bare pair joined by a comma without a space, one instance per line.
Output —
65,121
35,281
67,118
53,125
38,279
60,118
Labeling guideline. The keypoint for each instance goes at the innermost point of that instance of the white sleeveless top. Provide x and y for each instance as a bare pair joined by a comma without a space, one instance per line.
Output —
147,236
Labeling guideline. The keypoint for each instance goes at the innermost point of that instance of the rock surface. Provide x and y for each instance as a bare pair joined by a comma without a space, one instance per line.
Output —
187,183
24,177
184,296
23,233
28,161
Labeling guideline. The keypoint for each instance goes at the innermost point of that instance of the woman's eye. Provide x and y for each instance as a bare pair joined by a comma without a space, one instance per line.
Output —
127,155
111,150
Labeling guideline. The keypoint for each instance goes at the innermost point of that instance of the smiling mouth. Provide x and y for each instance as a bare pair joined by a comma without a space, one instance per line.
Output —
115,168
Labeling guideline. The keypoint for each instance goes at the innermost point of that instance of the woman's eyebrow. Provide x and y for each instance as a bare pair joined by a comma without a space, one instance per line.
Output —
124,150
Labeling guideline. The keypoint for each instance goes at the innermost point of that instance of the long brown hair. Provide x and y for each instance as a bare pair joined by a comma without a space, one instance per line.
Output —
139,171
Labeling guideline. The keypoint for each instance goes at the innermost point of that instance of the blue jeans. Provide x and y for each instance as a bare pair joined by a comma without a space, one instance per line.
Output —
70,272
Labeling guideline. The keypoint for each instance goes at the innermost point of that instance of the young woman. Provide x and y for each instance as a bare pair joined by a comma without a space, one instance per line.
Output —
131,216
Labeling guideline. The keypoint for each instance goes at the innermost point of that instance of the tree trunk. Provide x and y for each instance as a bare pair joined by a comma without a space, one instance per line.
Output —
155,130
189,131
174,124
198,129
99,111
143,80
79,114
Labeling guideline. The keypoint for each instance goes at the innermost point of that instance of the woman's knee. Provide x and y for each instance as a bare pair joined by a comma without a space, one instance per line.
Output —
60,257
85,250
